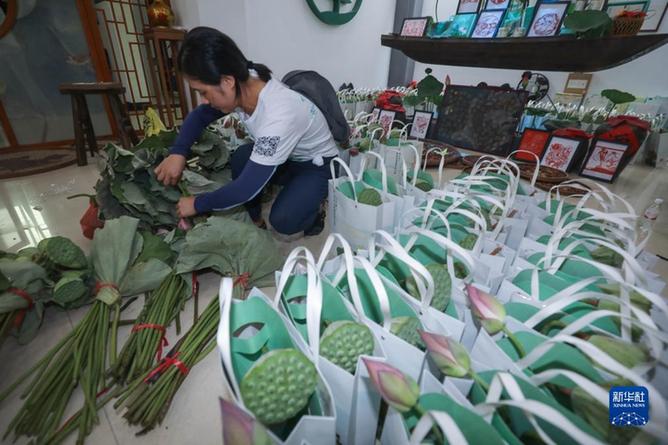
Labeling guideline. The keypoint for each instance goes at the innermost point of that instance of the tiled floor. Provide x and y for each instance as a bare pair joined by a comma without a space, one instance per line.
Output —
35,207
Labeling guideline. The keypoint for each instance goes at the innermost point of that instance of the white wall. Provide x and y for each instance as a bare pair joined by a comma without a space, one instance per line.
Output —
285,35
645,76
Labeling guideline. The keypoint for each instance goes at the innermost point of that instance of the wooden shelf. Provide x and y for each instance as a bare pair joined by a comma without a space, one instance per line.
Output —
563,53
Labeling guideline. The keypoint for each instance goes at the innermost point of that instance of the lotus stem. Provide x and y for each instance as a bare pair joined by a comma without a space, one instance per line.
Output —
515,342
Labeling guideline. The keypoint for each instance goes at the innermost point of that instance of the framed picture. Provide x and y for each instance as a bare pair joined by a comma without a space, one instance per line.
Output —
488,24
414,27
547,19
655,13
385,119
461,25
604,160
467,6
375,114
421,123
615,8
578,83
497,4
534,141
560,152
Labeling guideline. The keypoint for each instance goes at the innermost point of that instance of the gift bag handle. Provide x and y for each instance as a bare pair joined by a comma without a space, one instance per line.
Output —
383,169
658,408
349,174
349,271
643,320
423,279
441,164
533,408
451,432
449,245
536,170
313,293
223,334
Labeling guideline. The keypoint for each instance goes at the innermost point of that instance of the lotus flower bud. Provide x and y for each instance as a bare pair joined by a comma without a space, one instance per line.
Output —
450,356
239,427
397,389
486,309
184,224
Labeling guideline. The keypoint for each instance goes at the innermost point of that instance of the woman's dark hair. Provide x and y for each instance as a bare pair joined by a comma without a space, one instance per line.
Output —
207,54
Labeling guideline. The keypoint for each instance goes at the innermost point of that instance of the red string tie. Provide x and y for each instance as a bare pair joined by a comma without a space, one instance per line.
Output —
165,364
163,339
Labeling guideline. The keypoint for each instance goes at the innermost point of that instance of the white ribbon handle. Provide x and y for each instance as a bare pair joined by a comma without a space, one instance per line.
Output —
348,269
451,432
423,279
382,168
658,408
532,408
223,334
349,174
313,293
536,170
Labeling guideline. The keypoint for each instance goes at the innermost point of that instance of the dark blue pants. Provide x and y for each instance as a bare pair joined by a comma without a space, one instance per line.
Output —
304,188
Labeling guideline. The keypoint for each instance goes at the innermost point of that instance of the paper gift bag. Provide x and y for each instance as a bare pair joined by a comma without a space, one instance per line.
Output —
387,186
354,220
250,329
319,293
383,246
385,312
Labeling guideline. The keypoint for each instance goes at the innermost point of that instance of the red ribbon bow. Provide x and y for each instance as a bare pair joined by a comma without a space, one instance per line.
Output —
163,339
165,364
242,280
21,315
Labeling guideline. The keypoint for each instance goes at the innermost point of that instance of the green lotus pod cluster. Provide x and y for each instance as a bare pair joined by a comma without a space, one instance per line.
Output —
626,353
344,341
406,328
442,286
370,196
468,241
70,288
364,145
63,252
461,271
606,255
424,181
278,386
637,299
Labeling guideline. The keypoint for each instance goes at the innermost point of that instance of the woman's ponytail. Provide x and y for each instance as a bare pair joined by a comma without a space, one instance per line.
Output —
263,72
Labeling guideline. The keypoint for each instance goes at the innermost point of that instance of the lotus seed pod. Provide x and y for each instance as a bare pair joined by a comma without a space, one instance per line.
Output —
442,286
370,196
337,347
263,373
469,241
69,289
63,252
406,328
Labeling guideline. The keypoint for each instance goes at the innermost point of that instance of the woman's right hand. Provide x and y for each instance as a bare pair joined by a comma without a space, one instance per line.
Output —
170,169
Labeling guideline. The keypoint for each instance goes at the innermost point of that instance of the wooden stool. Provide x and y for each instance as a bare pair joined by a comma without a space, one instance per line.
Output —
83,126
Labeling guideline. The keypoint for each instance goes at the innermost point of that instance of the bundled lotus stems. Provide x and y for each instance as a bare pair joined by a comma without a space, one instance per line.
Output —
231,248
83,356
145,345
148,399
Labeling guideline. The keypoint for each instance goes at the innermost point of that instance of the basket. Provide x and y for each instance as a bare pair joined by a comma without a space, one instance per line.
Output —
627,26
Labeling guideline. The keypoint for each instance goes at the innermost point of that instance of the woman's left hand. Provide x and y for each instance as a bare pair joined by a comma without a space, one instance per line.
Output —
186,207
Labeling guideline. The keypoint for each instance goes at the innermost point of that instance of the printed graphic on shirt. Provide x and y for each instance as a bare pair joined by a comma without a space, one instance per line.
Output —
266,145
